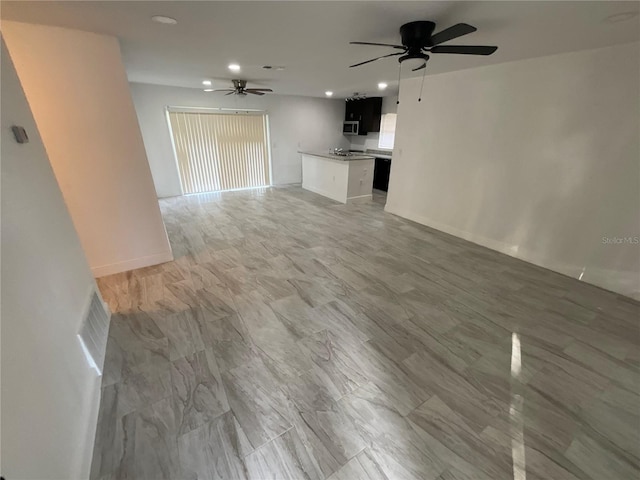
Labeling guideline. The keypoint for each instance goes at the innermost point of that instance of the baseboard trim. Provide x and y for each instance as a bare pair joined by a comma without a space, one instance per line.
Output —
323,193
287,184
90,410
132,264
622,282
360,199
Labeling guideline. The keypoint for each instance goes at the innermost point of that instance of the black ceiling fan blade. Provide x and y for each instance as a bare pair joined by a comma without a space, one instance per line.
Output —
223,90
424,65
450,33
230,93
254,92
377,58
464,49
378,44
259,90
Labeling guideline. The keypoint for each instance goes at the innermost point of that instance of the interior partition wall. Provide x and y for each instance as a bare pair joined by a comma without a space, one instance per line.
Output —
218,150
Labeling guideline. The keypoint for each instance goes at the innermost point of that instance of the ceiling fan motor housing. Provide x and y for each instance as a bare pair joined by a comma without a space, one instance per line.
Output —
240,84
416,35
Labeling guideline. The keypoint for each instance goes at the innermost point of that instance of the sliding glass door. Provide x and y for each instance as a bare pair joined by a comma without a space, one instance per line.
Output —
220,151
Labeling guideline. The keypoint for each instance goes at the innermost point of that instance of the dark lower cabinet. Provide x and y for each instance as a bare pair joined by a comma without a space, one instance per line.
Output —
381,174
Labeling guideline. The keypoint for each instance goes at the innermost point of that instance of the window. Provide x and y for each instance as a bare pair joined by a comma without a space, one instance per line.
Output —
387,131
220,151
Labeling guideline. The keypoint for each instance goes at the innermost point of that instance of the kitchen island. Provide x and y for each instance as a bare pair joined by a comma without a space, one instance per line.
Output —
346,179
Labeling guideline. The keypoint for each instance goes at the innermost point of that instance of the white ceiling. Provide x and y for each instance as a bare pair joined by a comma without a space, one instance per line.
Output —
311,39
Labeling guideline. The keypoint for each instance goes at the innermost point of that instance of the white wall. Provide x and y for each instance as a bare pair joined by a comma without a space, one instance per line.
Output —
296,123
50,395
370,140
78,91
538,159
326,177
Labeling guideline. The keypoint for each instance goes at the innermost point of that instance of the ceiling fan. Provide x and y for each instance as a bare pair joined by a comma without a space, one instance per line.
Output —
240,88
418,40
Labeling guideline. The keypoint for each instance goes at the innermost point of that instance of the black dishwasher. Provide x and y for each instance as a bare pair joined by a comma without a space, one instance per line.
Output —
381,174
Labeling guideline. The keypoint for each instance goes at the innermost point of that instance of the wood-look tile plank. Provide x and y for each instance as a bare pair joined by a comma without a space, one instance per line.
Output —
149,443
283,458
181,331
198,392
394,445
257,402
333,362
322,422
215,450
140,343
436,418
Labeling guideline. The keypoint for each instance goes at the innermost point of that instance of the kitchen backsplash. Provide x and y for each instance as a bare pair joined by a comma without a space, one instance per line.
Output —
368,142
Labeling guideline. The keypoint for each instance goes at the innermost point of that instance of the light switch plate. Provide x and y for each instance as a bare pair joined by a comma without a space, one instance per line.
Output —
20,133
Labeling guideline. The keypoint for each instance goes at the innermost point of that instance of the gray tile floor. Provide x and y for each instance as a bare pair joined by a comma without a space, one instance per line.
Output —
297,338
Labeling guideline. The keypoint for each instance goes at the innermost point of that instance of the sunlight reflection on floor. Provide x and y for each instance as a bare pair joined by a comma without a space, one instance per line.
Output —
515,413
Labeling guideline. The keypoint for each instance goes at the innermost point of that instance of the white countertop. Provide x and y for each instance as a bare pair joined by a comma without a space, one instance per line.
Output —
340,158
378,153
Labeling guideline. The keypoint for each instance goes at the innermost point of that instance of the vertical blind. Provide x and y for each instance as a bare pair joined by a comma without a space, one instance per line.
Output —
219,151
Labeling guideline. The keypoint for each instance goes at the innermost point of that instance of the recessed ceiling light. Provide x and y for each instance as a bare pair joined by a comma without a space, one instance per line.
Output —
206,82
208,89
621,17
382,86
163,19
328,93
234,67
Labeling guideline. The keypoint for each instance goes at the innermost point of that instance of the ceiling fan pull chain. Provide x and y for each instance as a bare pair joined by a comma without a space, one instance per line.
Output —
424,72
399,75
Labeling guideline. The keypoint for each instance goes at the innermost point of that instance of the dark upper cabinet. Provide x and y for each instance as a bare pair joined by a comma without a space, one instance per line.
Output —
353,111
367,111
371,114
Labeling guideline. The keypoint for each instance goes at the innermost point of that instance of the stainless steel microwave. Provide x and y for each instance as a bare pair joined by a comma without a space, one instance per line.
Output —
350,128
